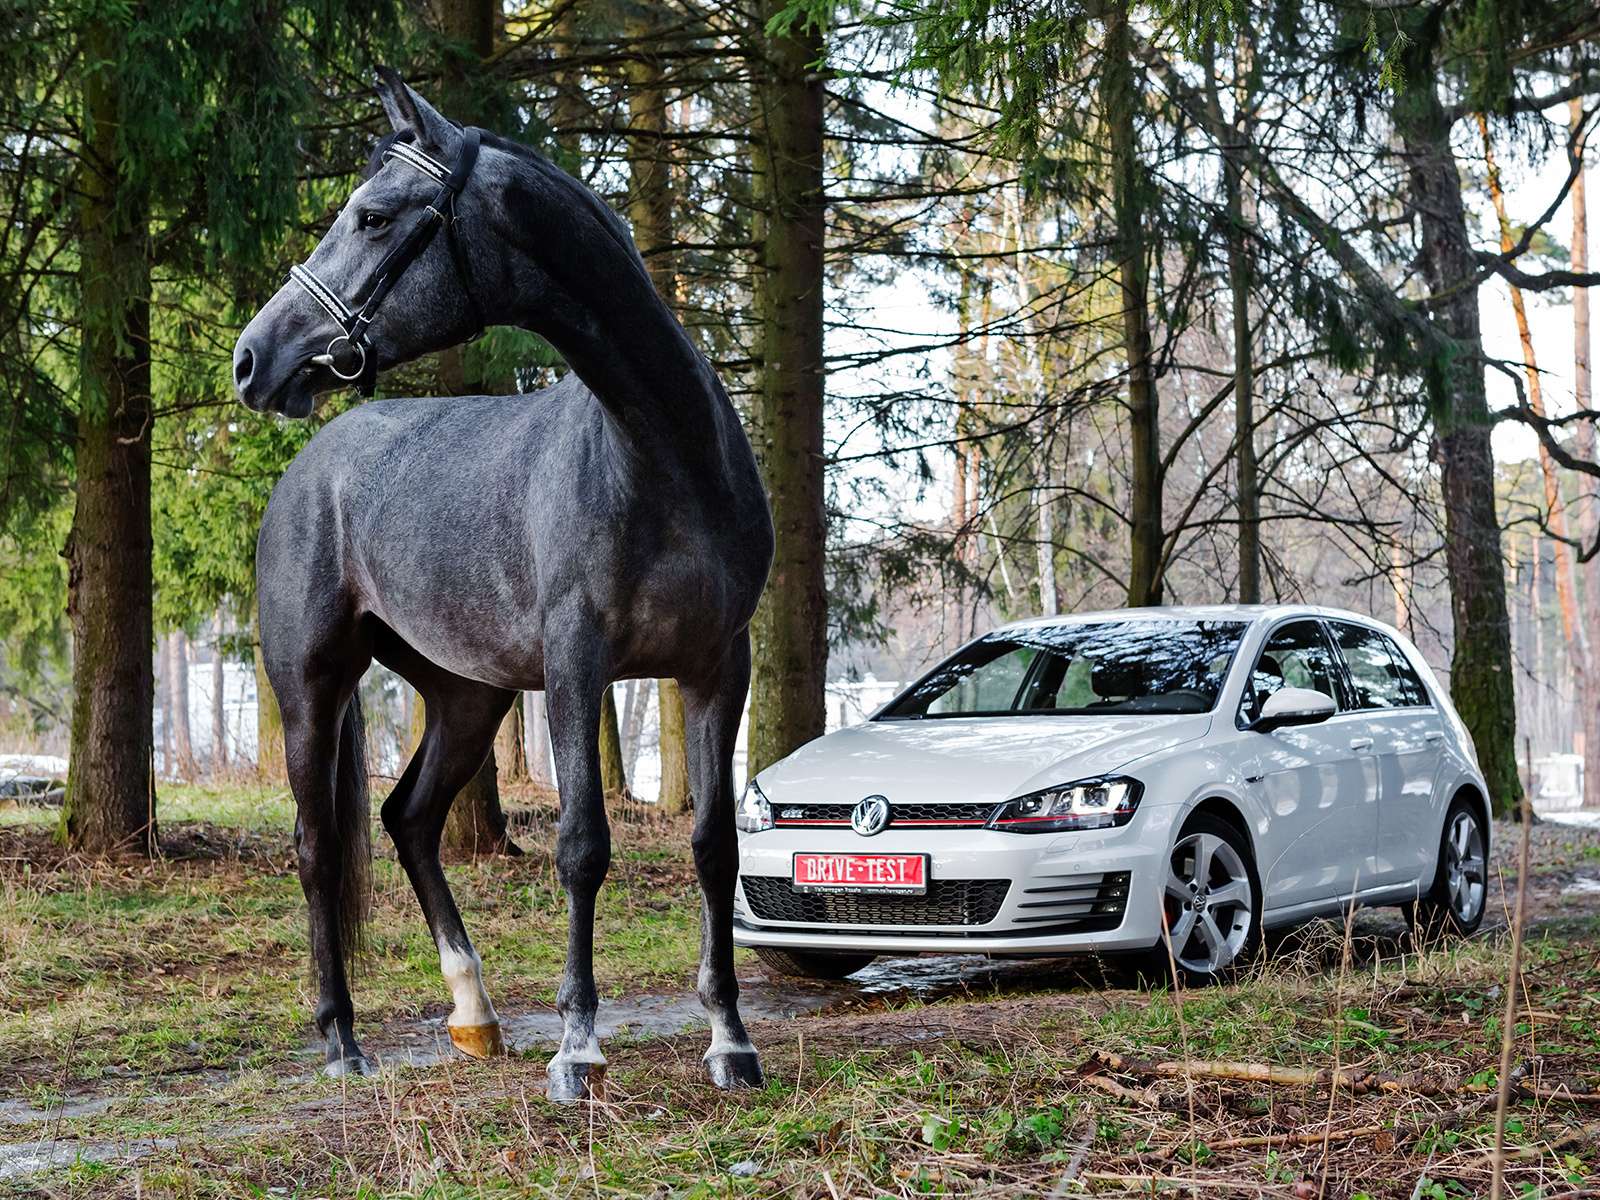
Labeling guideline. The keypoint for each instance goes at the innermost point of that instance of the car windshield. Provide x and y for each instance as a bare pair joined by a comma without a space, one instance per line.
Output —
1131,666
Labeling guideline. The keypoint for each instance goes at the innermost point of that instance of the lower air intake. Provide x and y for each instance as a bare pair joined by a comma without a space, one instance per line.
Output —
948,902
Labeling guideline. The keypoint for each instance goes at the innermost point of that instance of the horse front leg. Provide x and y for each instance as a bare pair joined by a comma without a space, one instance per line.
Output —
712,710
462,718
583,856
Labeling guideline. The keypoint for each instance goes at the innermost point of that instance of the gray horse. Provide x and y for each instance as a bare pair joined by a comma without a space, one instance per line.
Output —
613,526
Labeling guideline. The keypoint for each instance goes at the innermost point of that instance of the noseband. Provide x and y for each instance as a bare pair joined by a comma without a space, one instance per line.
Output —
440,212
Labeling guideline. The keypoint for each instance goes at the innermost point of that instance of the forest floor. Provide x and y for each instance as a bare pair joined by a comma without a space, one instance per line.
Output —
154,1041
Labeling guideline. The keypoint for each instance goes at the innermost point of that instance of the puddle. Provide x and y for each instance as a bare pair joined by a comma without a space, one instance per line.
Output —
639,1016
20,1112
937,975
31,1158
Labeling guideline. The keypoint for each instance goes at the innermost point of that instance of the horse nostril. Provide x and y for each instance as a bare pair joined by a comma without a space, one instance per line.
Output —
243,364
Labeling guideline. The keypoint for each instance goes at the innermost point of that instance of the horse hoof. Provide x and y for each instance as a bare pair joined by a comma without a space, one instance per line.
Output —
478,1041
574,1081
735,1069
354,1064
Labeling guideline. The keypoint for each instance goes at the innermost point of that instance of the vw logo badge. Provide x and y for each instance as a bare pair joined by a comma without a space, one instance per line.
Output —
870,816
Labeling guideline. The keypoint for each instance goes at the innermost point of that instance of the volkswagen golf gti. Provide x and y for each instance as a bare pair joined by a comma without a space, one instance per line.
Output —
1123,781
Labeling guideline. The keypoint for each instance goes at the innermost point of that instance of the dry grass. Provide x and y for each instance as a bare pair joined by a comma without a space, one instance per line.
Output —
176,991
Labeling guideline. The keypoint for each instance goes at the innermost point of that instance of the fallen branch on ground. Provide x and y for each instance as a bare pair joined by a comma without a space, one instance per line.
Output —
1357,1081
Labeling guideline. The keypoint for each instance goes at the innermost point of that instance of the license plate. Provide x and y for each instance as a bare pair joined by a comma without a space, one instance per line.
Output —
852,874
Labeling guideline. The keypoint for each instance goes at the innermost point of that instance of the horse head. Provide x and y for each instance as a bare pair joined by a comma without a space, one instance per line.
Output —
391,279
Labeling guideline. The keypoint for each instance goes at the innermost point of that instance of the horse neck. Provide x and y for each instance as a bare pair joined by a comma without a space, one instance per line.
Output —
620,338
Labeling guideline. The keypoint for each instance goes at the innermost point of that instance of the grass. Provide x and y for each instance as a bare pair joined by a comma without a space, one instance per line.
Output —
176,993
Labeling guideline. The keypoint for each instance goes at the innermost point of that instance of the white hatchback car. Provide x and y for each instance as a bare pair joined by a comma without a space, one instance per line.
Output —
1097,782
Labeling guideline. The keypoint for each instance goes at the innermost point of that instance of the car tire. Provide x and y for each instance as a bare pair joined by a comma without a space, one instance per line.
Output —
814,964
1455,904
1210,866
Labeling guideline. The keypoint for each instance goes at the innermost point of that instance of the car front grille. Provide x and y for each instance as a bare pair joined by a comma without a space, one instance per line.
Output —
947,816
948,902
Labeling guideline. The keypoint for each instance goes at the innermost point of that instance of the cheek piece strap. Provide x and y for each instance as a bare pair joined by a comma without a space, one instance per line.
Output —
349,355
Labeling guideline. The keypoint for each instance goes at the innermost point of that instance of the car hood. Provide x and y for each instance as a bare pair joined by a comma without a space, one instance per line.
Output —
971,759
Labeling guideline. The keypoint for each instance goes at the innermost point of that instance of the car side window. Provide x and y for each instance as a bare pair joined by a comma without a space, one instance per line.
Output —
1381,675
1296,655
1416,692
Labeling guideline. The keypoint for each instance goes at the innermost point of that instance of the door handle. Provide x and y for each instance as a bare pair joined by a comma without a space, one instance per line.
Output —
1434,735
1361,743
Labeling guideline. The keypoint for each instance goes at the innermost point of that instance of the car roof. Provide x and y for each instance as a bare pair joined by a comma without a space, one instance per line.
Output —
1203,612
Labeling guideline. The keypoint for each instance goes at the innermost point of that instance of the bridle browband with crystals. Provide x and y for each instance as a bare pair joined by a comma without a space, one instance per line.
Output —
440,212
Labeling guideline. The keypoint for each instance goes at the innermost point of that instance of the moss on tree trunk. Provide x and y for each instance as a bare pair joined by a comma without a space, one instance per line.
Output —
1480,666
789,633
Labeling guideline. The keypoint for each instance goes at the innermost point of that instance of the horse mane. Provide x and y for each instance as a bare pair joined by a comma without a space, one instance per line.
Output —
561,180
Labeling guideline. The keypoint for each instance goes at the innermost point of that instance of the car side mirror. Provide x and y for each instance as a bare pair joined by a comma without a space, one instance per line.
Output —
1294,706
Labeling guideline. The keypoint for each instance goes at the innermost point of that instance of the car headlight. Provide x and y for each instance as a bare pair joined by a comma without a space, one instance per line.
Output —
755,811
1085,804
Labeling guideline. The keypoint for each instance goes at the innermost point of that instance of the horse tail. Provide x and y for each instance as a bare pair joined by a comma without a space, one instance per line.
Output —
353,820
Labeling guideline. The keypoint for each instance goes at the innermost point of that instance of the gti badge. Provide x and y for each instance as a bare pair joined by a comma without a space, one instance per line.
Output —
870,816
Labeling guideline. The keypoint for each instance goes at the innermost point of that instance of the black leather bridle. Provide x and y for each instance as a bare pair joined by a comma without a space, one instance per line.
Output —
440,212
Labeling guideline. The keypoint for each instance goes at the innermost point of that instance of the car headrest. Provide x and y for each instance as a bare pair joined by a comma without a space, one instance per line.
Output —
1119,677
1267,665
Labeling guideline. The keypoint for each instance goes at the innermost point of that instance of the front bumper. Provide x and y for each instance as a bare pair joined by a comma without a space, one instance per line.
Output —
1061,893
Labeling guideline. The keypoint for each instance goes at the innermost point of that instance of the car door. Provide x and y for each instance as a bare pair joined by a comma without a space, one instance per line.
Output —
1317,783
1408,736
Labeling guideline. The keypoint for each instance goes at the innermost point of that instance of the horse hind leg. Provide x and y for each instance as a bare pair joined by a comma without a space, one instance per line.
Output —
712,712
462,718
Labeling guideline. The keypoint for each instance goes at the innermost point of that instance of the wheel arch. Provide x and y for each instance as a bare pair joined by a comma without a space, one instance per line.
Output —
1226,811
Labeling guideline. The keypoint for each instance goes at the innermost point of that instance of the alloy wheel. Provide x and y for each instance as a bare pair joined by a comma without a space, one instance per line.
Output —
1465,869
1208,903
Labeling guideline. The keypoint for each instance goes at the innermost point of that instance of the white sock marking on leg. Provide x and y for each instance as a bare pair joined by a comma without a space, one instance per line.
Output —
463,972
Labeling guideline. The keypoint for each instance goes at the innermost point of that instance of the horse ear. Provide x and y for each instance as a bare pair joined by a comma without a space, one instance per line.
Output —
408,111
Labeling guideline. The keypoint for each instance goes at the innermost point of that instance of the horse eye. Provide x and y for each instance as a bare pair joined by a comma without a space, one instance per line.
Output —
373,220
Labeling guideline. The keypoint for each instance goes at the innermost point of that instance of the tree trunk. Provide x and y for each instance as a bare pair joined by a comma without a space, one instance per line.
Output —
164,687
1049,602
675,796
476,822
613,778
1481,668
270,761
178,651
110,801
538,741
1119,100
1232,142
1588,501
632,718
1566,585
509,743
219,709
789,633
650,210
